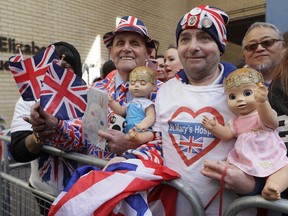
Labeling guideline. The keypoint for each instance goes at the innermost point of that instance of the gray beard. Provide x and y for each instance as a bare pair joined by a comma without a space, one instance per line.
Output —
264,68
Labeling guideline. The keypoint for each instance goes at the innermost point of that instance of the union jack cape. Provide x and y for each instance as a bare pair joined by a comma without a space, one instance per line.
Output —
63,93
29,73
120,190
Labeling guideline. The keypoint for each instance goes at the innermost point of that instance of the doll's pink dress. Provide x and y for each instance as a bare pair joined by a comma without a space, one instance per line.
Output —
258,151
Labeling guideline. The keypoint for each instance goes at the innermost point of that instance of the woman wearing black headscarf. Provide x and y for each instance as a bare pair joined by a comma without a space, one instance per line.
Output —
49,173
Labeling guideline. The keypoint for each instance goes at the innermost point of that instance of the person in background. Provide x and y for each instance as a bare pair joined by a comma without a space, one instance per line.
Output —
171,61
278,98
161,73
49,173
263,47
107,68
180,142
129,47
154,50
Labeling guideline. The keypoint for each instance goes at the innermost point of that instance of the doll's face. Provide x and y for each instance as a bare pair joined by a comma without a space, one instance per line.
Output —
241,99
140,88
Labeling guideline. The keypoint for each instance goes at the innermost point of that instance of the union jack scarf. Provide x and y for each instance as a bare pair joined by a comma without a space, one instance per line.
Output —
120,190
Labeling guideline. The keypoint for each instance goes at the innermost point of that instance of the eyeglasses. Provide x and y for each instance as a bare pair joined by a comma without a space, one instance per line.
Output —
265,44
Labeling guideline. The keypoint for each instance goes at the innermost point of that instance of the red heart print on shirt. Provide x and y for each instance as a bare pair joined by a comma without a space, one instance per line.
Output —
189,136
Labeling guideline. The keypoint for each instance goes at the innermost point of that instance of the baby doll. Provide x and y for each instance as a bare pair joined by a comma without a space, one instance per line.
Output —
140,112
258,151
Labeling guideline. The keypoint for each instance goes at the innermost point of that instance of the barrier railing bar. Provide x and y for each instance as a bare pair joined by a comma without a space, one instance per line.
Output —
189,193
5,161
25,185
258,201
75,156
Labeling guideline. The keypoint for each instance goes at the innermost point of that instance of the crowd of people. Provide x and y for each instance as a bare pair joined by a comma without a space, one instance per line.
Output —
180,123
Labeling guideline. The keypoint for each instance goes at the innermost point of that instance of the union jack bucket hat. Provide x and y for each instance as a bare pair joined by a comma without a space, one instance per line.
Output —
209,19
129,24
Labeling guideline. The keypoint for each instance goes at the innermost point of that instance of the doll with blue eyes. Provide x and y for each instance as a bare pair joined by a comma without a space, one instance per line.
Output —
258,150
140,111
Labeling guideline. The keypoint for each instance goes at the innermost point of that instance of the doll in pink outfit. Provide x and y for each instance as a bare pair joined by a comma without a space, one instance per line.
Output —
258,150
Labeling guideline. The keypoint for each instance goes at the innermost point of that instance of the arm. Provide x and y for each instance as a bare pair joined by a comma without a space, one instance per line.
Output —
24,147
65,135
149,120
151,151
235,179
218,130
116,107
267,115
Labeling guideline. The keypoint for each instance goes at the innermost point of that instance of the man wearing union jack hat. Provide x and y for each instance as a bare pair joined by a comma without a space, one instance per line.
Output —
129,46
181,142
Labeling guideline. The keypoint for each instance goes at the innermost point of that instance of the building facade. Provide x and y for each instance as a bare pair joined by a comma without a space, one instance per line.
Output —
36,24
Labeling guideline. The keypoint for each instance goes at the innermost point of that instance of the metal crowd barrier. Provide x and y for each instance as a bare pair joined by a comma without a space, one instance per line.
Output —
246,202
7,181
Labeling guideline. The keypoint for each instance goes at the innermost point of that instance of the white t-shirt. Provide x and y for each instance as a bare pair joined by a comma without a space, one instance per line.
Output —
186,143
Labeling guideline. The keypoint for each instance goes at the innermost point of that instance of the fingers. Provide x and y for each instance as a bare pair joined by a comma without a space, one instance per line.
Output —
214,169
105,134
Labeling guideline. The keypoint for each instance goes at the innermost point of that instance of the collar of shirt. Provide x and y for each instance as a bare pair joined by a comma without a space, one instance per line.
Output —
181,75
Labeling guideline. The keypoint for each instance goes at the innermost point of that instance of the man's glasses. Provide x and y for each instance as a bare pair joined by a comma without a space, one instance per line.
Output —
265,44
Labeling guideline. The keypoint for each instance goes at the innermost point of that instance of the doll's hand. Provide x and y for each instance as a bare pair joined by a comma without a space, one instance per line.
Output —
261,93
140,126
209,124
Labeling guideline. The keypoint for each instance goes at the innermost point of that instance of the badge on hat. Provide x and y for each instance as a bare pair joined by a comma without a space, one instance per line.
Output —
206,22
184,20
195,11
192,20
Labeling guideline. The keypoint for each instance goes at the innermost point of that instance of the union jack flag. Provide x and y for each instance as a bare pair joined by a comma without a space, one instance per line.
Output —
55,169
63,93
29,73
190,144
130,179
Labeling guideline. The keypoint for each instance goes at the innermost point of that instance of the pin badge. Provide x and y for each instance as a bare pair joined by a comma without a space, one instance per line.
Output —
184,20
192,20
195,11
206,22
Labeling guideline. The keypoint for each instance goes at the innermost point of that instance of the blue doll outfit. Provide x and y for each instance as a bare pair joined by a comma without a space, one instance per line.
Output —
136,111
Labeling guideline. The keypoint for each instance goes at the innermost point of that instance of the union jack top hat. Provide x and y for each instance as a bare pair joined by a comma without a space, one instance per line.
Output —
129,24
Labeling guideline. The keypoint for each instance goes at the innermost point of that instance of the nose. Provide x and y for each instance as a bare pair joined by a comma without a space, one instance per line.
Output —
137,83
260,47
194,45
126,47
240,98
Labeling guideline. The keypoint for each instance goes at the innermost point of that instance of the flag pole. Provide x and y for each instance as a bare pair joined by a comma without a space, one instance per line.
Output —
20,52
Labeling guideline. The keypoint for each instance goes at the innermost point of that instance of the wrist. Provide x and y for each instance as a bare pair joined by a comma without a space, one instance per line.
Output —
36,138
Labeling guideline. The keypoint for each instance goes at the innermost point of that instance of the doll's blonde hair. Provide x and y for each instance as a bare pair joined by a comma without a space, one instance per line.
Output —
242,76
143,73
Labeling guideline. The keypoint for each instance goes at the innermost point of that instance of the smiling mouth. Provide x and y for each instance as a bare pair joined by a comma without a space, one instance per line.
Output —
126,58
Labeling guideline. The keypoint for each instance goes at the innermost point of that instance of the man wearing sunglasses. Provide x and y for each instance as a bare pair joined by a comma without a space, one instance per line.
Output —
263,47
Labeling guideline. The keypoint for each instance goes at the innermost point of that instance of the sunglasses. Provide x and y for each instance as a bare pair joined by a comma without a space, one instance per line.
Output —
265,44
